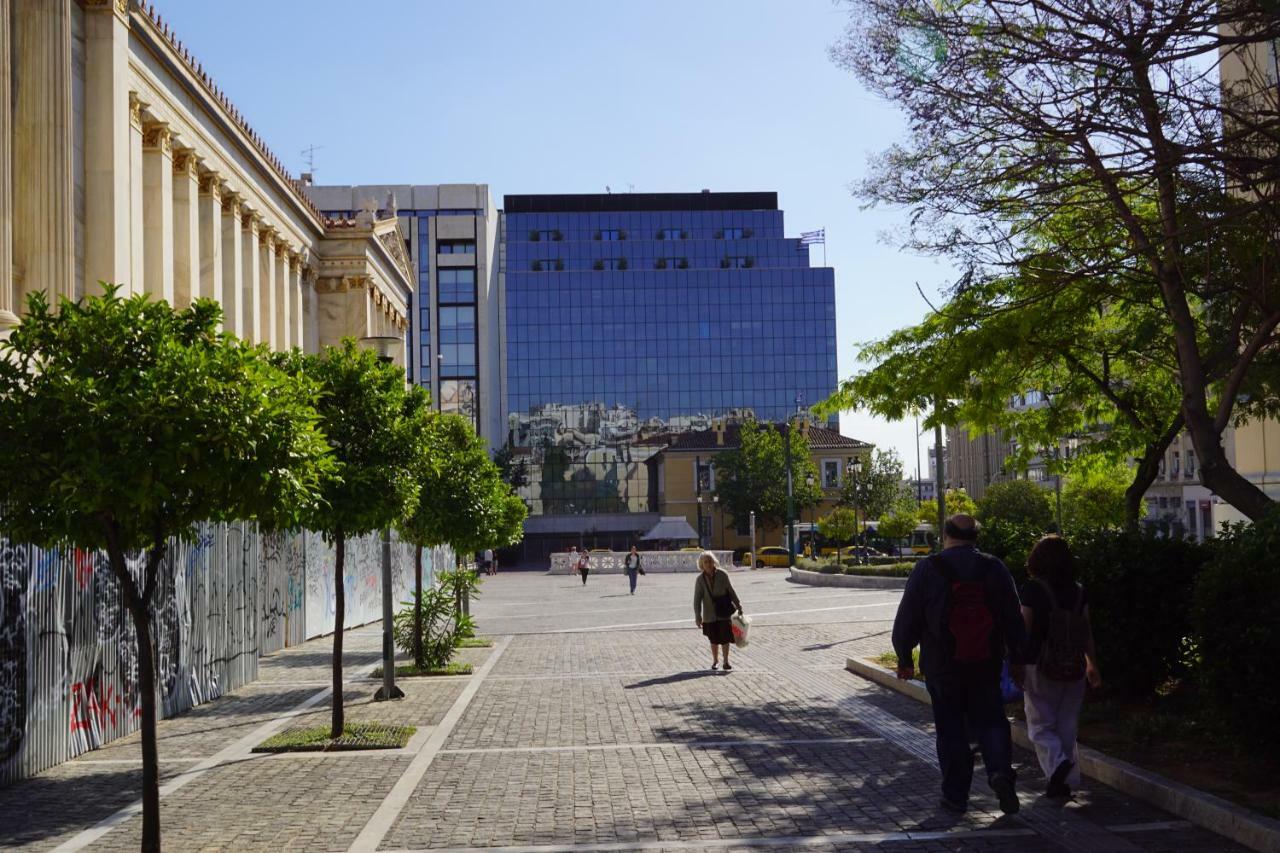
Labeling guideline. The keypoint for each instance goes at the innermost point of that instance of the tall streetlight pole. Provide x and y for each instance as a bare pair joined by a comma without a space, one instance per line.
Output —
853,469
791,508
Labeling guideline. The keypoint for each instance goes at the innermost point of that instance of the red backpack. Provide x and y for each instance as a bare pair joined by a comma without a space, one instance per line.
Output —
967,615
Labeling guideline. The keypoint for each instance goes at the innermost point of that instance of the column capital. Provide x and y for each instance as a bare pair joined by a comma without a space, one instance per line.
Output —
156,137
135,111
211,184
282,246
267,234
119,7
186,163
231,201
250,219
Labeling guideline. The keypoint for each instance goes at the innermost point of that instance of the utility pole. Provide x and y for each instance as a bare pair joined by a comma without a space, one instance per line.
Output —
942,478
791,510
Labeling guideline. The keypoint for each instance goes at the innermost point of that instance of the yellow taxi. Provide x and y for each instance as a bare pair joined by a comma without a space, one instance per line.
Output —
772,555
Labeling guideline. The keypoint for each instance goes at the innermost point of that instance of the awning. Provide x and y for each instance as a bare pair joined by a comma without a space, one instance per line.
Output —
672,527
596,523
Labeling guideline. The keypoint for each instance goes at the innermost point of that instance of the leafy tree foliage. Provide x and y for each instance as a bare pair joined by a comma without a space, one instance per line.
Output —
1093,495
1019,502
1020,116
125,423
374,427
840,525
898,524
957,502
877,488
753,476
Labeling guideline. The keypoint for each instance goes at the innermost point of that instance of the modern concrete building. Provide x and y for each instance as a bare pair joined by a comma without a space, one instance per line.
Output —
121,161
455,338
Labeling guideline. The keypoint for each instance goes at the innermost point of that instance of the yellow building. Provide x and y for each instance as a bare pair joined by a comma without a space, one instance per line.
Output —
682,481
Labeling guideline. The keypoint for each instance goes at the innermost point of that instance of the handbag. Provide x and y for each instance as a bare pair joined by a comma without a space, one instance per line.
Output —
740,625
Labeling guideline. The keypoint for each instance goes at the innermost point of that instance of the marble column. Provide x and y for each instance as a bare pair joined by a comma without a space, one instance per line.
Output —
267,287
310,311
249,277
107,246
157,211
43,211
186,227
232,263
137,264
8,305
282,296
210,243
297,319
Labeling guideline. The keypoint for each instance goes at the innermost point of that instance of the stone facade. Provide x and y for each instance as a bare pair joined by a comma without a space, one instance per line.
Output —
124,163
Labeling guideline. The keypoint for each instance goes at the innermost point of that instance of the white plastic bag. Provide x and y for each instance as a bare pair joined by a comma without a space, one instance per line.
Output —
740,624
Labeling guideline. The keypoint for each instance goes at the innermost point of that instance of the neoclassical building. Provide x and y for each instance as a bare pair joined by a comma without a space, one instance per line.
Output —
123,162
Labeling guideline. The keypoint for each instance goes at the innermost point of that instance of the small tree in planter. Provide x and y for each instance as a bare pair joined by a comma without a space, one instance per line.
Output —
374,426
125,423
839,525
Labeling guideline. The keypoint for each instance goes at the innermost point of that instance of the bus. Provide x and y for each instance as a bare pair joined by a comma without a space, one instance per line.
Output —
920,541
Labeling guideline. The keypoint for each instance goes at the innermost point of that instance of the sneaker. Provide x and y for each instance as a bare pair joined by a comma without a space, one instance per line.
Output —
1008,797
952,806
727,667
715,666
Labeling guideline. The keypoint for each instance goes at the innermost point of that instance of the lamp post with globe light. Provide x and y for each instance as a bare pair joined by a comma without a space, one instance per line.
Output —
853,469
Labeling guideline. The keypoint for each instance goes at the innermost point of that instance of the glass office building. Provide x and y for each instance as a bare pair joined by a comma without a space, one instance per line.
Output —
632,316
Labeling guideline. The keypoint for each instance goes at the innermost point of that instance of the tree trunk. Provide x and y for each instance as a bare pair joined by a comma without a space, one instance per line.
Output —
139,613
1216,471
1145,475
337,721
417,607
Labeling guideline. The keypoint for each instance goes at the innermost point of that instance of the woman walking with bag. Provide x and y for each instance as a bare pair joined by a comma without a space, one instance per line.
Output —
1060,659
584,565
714,602
632,566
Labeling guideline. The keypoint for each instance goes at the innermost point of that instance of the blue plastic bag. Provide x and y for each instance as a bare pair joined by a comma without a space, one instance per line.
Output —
1008,690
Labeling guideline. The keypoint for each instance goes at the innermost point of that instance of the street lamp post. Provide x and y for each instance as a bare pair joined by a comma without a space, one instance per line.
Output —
853,469
813,519
701,539
385,347
715,511
791,509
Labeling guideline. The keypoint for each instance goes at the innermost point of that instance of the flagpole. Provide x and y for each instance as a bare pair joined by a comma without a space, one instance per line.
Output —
824,245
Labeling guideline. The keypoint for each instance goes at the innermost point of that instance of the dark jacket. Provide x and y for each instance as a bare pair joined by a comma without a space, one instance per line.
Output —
922,613
704,607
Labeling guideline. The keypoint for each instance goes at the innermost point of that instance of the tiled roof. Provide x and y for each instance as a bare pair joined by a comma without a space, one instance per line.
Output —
820,438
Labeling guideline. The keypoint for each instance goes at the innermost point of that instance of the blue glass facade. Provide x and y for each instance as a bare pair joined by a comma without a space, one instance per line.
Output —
624,324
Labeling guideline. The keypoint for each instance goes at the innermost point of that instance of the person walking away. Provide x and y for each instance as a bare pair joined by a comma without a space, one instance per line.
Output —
1059,658
632,566
961,607
488,562
714,602
584,565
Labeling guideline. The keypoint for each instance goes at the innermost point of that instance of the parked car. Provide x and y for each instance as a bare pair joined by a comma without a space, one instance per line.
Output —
772,555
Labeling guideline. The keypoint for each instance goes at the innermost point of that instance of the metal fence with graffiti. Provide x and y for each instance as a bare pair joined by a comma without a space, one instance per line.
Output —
68,665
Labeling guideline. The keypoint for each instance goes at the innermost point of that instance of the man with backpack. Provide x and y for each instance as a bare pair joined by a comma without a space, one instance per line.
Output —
961,607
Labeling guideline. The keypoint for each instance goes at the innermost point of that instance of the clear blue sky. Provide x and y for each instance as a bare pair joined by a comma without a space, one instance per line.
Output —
564,97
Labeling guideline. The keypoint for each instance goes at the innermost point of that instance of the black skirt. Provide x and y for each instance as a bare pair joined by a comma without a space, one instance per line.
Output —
719,632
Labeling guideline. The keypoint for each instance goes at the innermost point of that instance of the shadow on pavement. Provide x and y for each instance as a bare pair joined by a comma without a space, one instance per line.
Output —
674,678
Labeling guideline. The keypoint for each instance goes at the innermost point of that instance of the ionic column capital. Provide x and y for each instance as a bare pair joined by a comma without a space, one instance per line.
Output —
232,204
282,247
157,137
135,111
250,219
211,184
119,7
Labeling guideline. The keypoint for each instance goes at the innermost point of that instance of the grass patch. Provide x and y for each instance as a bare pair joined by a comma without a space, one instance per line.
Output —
475,643
889,660
354,736
408,670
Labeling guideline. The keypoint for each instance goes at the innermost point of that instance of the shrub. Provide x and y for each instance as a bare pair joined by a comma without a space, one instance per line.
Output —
443,628
895,570
1019,501
1140,589
1236,614
1011,542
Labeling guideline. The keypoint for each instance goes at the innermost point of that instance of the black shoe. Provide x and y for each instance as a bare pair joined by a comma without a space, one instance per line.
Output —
715,666
1008,797
950,806
727,667
1058,788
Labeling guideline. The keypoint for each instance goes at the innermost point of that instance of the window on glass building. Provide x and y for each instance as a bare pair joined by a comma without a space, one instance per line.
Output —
730,234
456,285
456,247
609,264
741,262
611,234
673,234
547,265
671,264
458,396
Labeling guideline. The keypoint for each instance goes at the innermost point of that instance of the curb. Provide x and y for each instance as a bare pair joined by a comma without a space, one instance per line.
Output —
855,581
1215,814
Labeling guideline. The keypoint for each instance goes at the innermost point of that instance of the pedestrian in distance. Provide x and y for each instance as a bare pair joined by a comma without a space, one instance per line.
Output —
961,608
584,565
714,603
490,565
633,567
1059,658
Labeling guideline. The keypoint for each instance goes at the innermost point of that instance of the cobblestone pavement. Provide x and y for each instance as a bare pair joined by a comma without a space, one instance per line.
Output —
594,724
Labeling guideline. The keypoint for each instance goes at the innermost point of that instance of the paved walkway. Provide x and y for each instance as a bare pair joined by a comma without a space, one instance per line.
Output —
593,724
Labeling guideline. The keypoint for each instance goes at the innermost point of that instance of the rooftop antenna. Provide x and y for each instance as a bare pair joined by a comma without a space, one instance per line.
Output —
309,157
606,189
631,188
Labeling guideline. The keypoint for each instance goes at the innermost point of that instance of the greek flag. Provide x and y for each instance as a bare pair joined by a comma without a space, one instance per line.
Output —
808,238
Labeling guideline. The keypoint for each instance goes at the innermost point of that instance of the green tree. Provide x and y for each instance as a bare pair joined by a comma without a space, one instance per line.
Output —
958,502
1093,494
753,476
463,502
877,487
840,525
373,424
125,423
898,524
1019,502
1180,170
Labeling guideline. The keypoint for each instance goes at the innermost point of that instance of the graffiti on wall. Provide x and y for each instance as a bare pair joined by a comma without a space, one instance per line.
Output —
68,650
